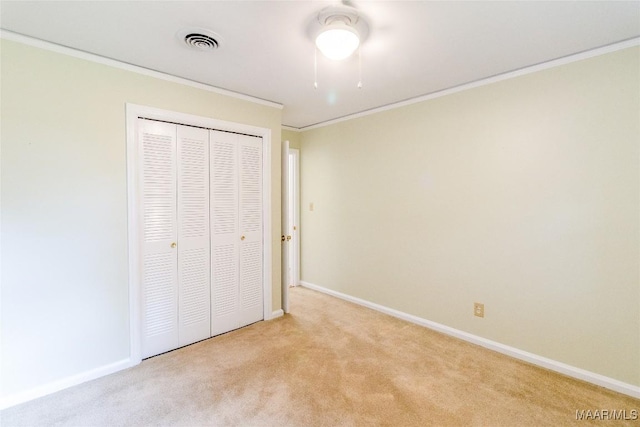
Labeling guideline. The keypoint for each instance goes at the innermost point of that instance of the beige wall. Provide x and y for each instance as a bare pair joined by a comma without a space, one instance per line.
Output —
522,195
294,138
64,207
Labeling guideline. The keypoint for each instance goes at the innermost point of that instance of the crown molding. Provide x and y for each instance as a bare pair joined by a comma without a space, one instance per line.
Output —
485,81
64,50
9,35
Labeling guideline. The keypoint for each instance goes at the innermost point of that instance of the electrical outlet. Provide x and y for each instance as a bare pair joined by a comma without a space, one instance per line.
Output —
478,309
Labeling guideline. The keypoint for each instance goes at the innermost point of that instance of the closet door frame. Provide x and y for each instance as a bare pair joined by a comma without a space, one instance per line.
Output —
134,222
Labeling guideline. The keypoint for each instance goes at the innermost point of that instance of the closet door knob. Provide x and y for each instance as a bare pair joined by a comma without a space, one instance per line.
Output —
242,238
174,244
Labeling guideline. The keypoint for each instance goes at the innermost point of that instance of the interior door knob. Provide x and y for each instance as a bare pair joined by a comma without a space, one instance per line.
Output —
242,238
174,244
288,238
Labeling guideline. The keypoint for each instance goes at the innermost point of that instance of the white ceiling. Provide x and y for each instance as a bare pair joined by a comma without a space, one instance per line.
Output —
414,47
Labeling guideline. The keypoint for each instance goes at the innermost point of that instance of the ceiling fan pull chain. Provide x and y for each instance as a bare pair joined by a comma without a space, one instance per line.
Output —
315,67
359,67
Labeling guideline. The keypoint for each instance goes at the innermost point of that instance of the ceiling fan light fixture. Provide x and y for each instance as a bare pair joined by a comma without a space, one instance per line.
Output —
337,40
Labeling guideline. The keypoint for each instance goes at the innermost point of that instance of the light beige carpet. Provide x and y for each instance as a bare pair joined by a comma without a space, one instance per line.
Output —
328,363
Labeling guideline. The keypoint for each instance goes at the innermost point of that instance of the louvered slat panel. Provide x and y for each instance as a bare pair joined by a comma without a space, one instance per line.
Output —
194,188
225,296
225,192
193,235
159,307
194,281
251,279
251,186
158,186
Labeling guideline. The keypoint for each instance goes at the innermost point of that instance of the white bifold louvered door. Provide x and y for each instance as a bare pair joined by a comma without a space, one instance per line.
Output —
200,194
174,200
159,231
194,277
236,231
250,191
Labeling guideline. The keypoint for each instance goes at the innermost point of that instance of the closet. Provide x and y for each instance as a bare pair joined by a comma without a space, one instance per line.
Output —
200,202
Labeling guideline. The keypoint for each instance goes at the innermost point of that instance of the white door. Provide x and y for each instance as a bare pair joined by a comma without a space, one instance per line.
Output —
285,224
236,231
194,314
158,216
294,216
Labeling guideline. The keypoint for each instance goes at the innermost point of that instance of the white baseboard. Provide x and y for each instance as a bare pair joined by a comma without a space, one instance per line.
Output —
553,365
52,387
43,390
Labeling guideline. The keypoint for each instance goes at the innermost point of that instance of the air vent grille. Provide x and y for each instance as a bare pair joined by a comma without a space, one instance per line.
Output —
201,41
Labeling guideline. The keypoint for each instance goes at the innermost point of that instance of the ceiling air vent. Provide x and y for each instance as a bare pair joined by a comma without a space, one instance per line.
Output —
199,39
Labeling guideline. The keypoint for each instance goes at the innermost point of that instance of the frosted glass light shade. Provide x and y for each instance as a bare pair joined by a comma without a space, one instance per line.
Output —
337,41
